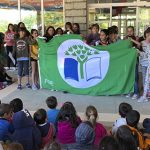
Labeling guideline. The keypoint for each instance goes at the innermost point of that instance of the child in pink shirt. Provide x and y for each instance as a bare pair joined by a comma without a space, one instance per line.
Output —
10,41
100,131
67,122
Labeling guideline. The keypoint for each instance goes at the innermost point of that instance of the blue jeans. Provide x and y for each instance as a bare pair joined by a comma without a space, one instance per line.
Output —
136,88
23,66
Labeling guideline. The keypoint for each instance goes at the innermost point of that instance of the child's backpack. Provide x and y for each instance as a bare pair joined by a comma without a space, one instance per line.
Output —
138,137
49,138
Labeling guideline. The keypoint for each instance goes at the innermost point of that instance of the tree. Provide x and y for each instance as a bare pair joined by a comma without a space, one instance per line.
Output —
81,53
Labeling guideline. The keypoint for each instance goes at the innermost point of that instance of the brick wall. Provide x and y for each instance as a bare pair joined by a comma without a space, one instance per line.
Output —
76,12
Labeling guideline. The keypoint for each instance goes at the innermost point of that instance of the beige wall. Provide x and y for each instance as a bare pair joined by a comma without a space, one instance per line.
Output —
76,12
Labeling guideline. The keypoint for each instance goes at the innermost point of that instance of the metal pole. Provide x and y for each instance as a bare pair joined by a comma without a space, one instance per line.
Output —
19,10
42,16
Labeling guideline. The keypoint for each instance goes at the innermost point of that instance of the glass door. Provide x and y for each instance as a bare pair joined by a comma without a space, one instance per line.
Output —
100,16
123,17
144,19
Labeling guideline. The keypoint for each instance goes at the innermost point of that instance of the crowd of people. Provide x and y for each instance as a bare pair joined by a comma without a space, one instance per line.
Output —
23,46
63,129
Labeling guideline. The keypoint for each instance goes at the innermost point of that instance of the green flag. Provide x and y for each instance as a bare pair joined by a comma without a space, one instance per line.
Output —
68,64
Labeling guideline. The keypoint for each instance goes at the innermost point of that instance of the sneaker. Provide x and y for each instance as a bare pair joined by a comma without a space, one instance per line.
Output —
28,86
128,95
19,87
34,87
142,99
135,96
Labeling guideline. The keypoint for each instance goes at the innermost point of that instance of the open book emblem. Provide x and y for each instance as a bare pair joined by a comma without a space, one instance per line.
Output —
80,65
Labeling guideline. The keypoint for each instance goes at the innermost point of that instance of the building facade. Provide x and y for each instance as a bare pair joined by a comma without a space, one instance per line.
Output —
121,13
42,13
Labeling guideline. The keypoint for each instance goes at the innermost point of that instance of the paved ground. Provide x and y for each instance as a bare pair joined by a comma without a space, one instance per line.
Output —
106,105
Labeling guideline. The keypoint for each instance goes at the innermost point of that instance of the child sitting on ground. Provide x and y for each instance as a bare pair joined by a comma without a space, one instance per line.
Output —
52,113
132,119
100,131
108,143
26,131
6,127
85,136
47,129
67,122
16,105
124,108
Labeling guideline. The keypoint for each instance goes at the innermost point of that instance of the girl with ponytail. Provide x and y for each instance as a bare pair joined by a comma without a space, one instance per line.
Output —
100,131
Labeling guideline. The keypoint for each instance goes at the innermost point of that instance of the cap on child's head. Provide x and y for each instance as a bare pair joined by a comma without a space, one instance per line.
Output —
85,133
133,118
51,102
16,105
40,116
4,109
15,146
124,108
108,143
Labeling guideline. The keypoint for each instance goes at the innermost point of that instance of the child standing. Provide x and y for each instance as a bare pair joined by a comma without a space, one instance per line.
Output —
124,108
22,53
50,32
52,113
34,59
47,129
103,37
10,41
145,63
100,131
6,127
131,36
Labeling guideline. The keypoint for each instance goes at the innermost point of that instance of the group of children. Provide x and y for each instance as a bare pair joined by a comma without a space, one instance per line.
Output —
23,45
63,129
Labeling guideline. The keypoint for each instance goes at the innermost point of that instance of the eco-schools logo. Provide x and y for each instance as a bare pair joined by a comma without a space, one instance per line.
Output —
80,65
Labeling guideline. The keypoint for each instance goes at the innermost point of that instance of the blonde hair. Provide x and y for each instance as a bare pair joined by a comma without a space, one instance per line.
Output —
91,114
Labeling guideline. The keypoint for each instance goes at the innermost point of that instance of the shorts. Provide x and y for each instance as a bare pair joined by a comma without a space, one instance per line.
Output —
32,59
23,67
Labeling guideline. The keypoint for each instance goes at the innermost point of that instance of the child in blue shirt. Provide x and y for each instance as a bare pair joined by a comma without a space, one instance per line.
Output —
6,127
52,113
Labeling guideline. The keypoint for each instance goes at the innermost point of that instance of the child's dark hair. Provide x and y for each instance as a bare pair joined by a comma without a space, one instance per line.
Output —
91,114
146,32
133,118
51,102
15,146
59,29
112,30
124,108
33,30
46,33
4,109
130,27
68,112
40,116
23,29
10,24
16,105
95,25
105,31
69,24
126,139
108,143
